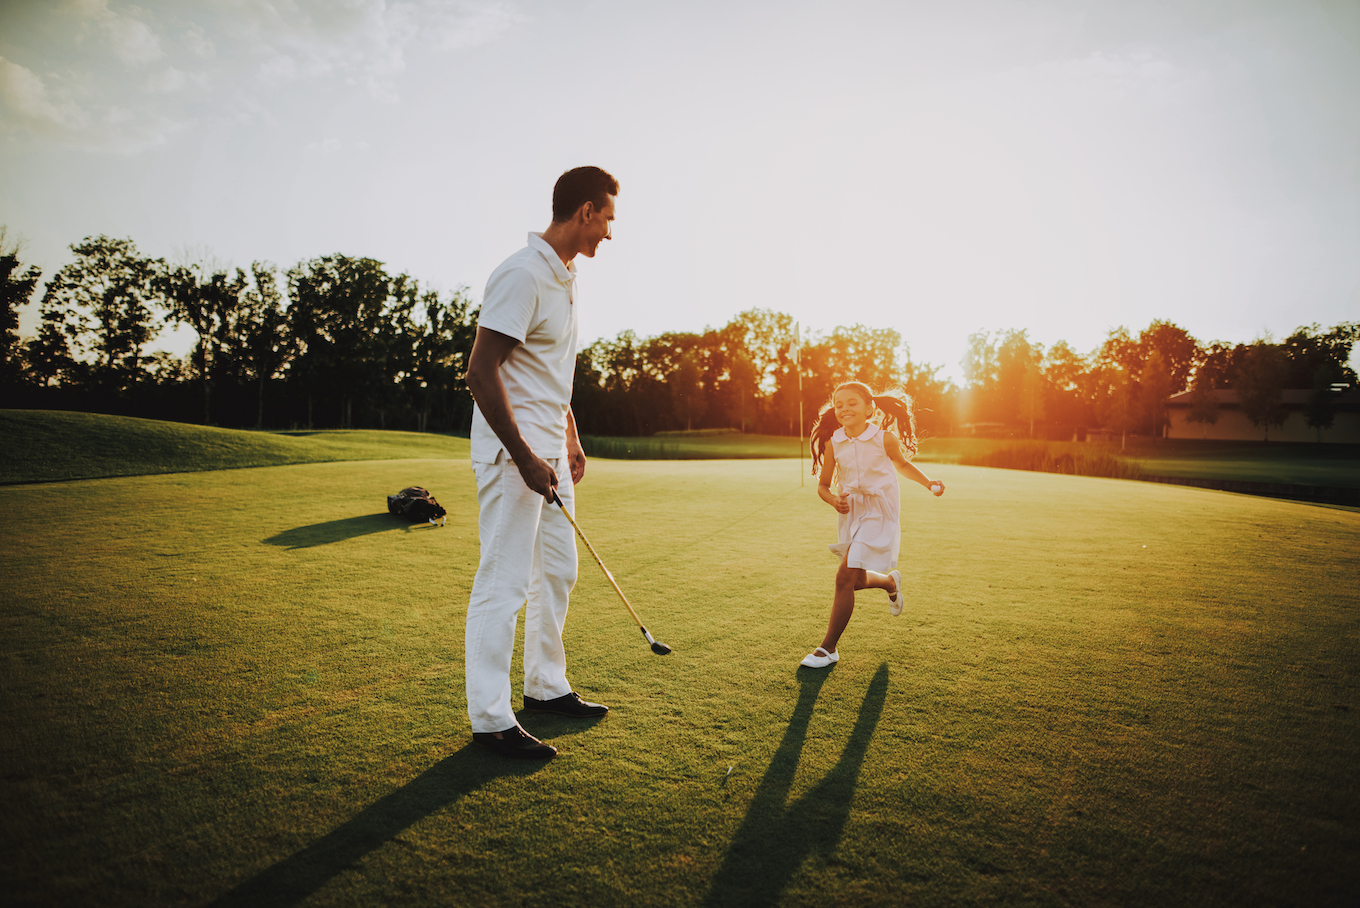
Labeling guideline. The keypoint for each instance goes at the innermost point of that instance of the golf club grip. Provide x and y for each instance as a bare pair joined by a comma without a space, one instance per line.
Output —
614,583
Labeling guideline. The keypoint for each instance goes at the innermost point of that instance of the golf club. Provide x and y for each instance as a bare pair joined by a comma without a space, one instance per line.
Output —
660,649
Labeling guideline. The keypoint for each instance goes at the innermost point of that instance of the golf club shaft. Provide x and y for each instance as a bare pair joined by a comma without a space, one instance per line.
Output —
613,582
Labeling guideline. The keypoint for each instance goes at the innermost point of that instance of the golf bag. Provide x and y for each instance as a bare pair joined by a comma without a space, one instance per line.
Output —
416,505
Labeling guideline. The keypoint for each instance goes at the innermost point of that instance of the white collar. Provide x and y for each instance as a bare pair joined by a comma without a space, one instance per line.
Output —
867,435
565,273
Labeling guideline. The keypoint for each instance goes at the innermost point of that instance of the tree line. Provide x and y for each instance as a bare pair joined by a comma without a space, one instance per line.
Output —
337,341
1124,384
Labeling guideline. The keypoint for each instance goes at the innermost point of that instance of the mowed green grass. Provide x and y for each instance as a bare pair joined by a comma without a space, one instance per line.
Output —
246,688
47,446
1293,463
1327,465
52,445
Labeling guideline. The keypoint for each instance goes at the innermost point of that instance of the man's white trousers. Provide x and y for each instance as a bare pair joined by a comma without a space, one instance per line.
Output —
528,554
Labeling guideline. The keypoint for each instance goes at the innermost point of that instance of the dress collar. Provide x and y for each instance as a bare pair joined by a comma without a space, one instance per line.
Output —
867,435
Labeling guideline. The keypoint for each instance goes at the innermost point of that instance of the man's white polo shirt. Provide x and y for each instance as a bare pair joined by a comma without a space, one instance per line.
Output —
531,297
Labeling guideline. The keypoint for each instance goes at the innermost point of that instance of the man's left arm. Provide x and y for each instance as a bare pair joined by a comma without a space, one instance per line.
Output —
576,455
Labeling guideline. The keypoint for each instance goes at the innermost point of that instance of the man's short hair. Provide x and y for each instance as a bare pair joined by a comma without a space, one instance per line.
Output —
576,187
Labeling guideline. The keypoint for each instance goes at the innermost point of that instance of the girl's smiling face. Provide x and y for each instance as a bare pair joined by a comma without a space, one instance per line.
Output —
852,410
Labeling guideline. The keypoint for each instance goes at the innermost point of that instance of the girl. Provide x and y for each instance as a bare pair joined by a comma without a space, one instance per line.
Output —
862,454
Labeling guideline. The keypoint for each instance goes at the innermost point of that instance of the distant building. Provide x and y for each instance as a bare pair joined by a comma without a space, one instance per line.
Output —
1233,425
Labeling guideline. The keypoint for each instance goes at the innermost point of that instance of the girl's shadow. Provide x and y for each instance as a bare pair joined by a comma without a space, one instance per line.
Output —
777,837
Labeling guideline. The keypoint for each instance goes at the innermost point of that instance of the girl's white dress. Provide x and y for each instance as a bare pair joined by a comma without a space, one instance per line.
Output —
871,531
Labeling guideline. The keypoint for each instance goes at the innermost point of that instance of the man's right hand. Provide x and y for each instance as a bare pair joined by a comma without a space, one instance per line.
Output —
538,475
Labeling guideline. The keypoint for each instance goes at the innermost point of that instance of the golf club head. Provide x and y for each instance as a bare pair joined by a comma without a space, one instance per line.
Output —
660,649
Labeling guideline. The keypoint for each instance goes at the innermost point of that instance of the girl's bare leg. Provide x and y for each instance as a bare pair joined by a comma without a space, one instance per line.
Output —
873,580
848,580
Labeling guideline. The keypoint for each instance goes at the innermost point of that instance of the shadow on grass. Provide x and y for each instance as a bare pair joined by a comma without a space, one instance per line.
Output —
339,530
552,728
293,879
777,837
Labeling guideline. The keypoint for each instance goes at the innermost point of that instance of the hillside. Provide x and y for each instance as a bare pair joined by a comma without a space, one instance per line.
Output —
53,445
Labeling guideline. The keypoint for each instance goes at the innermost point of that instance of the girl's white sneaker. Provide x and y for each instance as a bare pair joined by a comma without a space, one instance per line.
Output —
812,660
896,600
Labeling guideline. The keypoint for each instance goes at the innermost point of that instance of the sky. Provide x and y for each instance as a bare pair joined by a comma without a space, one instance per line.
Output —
1061,166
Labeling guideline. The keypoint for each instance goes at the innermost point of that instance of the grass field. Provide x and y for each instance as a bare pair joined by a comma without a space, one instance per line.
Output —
46,446
1300,464
697,446
49,445
245,687
1296,464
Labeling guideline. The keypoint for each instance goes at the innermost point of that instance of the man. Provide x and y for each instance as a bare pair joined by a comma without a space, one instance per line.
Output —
524,449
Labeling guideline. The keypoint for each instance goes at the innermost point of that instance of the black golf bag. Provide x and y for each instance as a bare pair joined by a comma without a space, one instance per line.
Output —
416,505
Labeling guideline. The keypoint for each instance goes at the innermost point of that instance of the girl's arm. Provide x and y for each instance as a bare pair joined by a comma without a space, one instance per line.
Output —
893,445
824,480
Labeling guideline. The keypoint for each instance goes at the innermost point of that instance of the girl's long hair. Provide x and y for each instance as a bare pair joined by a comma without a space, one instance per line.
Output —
892,411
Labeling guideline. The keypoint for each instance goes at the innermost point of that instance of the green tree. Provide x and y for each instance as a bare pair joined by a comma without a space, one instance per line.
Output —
205,297
48,358
981,379
1019,385
391,348
1120,349
1064,374
1032,394
337,314
933,397
1310,348
1180,352
1203,403
1220,365
16,289
742,386
444,328
164,368
103,304
262,337
753,355
687,393
1116,397
1154,387
626,382
762,334
1114,381
1260,385
1320,411
866,354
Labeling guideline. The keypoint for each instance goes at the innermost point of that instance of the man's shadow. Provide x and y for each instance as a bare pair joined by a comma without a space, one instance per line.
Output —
776,837
339,530
296,877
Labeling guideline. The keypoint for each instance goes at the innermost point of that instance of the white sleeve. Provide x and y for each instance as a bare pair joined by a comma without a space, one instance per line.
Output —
510,303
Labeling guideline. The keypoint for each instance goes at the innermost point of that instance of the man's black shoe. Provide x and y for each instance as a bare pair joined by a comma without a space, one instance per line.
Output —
571,705
515,742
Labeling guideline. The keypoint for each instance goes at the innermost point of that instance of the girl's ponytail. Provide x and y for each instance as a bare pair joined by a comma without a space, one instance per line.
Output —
822,430
898,412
